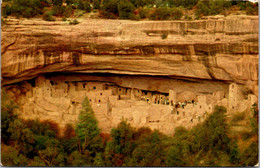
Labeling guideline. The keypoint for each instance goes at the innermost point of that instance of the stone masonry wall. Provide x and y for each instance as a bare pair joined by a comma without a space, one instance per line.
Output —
60,101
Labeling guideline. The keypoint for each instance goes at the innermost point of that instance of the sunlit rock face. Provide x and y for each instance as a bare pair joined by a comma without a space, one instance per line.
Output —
189,57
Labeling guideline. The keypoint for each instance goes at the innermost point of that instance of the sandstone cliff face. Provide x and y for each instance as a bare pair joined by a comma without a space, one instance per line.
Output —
219,50
190,58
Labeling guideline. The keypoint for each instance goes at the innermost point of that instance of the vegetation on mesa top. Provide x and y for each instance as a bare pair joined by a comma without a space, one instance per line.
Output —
34,143
125,9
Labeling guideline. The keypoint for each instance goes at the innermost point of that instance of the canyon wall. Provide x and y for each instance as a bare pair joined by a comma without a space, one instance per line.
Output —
190,57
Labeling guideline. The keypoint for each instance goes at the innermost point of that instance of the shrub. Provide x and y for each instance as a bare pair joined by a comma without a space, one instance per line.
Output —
11,157
164,36
96,4
254,110
187,17
6,10
142,132
234,152
254,125
87,7
69,2
74,22
183,3
62,10
150,151
202,9
250,155
80,5
58,10
57,2
211,7
98,160
64,18
238,117
161,13
79,13
246,135
48,17
176,14
3,21
69,131
135,17
125,10
242,5
26,8
174,159
142,3
144,13
52,126
121,137
251,9
68,11
109,8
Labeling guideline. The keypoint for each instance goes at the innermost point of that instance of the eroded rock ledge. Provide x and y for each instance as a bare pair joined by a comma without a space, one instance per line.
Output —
223,50
189,57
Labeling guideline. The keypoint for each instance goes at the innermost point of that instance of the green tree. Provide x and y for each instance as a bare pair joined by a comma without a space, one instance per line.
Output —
78,159
211,139
250,155
142,3
37,162
87,130
96,4
6,10
161,13
69,140
52,157
11,157
211,7
251,8
176,14
144,12
57,2
121,144
8,116
98,160
87,7
125,9
26,8
23,137
109,8
81,5
121,138
48,17
184,3
174,159
181,149
150,151
234,152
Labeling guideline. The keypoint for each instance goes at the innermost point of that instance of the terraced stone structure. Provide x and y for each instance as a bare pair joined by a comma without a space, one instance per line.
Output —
128,69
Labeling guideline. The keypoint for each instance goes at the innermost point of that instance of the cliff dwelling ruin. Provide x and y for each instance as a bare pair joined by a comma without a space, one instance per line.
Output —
128,71
46,98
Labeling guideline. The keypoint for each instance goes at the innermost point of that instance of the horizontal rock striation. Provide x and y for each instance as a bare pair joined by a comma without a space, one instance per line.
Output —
157,74
213,52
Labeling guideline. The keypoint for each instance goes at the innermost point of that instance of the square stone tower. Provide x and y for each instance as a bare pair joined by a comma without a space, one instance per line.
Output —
234,96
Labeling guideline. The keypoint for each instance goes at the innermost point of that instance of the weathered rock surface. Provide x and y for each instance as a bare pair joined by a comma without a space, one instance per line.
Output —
131,69
213,51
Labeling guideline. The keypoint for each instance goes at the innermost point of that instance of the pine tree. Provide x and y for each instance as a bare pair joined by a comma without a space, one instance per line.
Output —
87,130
